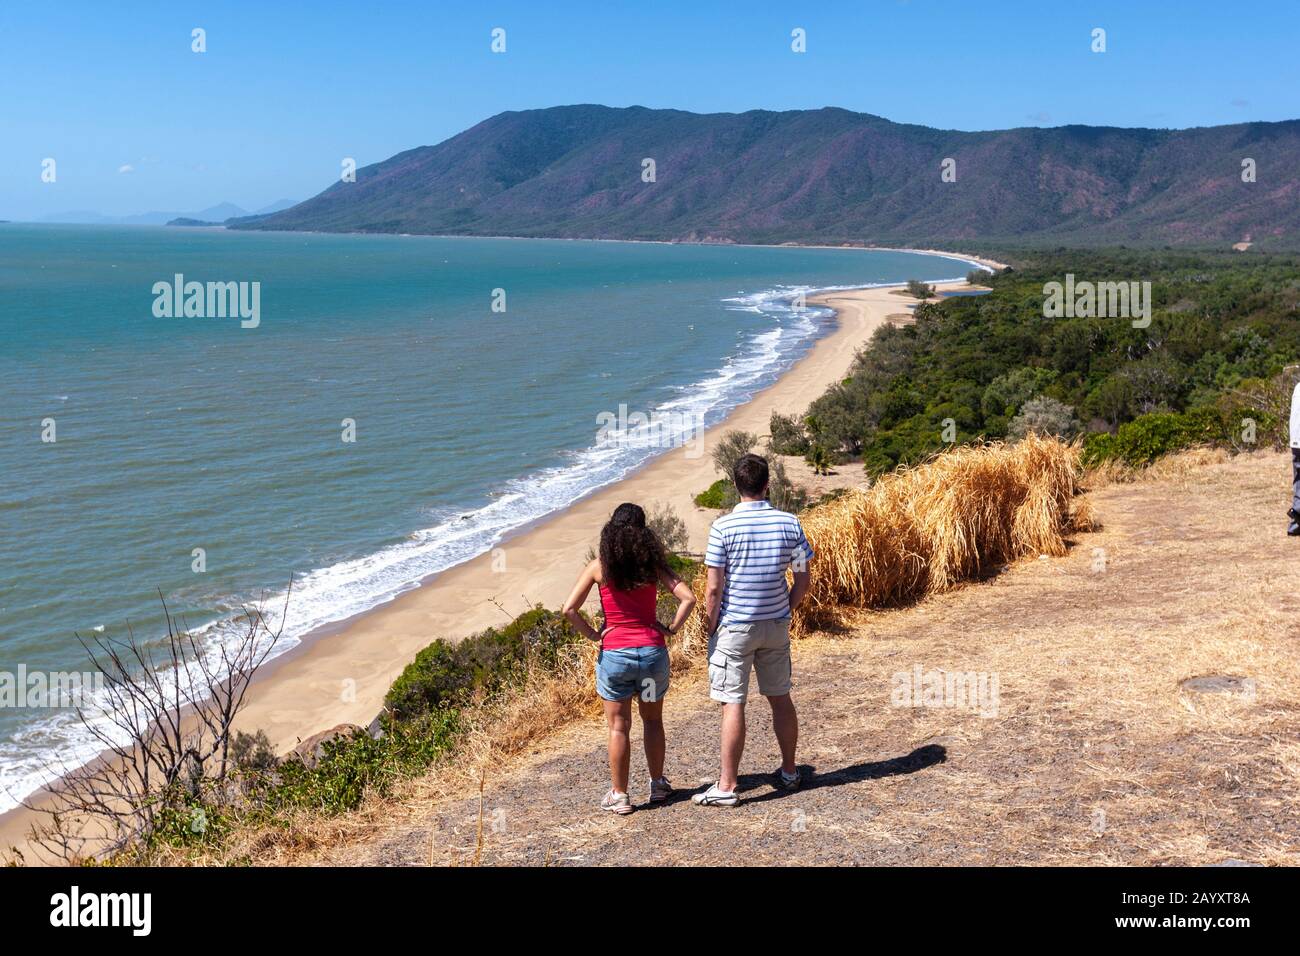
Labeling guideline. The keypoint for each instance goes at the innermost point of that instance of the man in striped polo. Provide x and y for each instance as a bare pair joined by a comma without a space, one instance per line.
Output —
748,607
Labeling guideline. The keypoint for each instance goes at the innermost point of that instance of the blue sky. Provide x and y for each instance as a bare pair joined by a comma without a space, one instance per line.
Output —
288,88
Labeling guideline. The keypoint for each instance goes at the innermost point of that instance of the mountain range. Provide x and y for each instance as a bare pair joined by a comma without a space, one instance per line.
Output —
213,214
827,175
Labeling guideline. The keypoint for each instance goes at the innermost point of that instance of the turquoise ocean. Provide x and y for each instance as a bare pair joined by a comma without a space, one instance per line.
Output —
179,433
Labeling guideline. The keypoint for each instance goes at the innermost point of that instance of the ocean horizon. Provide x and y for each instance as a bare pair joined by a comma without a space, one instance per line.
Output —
401,405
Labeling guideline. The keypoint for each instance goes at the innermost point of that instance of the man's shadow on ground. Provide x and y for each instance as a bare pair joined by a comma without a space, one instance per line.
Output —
918,759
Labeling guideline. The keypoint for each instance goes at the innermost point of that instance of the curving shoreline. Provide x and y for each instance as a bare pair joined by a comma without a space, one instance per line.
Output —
340,673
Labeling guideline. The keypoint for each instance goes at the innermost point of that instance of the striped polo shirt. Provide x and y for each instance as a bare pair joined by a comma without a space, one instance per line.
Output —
755,544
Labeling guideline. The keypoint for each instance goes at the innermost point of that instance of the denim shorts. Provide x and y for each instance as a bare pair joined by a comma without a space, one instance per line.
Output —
627,671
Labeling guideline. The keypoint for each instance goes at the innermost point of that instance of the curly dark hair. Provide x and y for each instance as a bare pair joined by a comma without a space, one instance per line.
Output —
631,554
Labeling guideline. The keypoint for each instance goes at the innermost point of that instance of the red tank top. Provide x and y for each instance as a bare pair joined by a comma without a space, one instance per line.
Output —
630,617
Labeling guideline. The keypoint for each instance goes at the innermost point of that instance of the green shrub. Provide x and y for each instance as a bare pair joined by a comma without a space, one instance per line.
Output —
664,521
717,495
787,435
1271,431
1006,393
1044,416
733,446
1098,447
1148,437
349,768
683,567
422,719
1264,402
353,766
450,675
182,819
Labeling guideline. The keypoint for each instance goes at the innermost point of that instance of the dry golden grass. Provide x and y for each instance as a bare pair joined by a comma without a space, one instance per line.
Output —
922,530
1180,466
505,725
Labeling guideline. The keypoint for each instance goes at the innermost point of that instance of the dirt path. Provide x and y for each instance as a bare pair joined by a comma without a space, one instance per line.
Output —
1090,753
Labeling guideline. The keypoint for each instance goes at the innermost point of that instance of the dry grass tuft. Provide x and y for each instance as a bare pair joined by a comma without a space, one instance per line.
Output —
1179,466
505,725
922,530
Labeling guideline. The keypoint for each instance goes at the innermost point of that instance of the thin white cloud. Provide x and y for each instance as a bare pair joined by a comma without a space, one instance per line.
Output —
128,168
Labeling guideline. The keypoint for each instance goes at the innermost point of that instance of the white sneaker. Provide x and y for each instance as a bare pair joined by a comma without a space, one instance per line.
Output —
713,797
616,802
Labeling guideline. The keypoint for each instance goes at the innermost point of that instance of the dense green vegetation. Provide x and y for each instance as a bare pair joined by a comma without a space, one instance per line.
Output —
716,495
261,790
1208,368
450,674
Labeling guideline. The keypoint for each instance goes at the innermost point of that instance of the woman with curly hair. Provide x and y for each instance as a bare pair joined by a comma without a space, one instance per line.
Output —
633,655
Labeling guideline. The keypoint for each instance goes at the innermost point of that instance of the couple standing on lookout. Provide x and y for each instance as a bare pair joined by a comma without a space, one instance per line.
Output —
747,606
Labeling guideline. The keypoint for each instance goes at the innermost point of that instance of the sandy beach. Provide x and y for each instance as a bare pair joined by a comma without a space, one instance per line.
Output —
341,675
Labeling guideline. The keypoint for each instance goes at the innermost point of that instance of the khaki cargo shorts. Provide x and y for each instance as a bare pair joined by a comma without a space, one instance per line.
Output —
735,649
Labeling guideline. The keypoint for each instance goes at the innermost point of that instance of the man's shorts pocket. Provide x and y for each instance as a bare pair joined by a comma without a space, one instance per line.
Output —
728,677
717,671
733,638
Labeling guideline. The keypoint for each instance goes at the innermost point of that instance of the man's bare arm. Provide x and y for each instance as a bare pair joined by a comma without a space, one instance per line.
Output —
713,597
799,589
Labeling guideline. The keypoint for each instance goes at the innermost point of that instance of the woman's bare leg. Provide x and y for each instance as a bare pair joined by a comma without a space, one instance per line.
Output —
652,729
618,715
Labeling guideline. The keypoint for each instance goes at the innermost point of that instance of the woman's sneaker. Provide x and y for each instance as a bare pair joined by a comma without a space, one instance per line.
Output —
713,797
660,790
616,802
